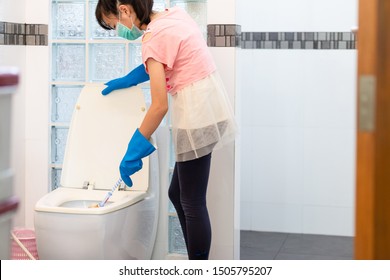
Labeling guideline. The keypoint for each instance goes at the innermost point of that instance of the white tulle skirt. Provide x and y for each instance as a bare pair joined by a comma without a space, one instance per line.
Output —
202,118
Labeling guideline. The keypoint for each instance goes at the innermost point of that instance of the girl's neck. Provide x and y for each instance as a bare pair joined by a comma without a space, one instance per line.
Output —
156,15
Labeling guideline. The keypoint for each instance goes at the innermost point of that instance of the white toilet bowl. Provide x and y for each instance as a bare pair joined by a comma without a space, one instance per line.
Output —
125,228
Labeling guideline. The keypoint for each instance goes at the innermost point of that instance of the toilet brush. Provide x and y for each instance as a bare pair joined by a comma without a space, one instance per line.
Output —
108,195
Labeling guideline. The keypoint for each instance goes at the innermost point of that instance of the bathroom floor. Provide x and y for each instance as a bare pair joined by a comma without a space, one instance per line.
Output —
290,246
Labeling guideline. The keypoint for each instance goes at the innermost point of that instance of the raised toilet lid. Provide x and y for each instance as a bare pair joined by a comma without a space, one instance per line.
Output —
100,130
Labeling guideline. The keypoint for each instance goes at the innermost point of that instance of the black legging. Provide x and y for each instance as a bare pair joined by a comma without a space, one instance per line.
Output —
188,194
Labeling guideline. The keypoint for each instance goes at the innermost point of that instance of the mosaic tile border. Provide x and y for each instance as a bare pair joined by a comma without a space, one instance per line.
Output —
223,35
227,35
23,34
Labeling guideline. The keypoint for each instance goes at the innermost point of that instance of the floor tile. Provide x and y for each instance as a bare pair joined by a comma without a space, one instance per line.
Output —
322,245
290,246
284,256
248,253
263,241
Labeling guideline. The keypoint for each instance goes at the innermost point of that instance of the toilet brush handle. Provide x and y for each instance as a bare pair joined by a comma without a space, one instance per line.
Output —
109,194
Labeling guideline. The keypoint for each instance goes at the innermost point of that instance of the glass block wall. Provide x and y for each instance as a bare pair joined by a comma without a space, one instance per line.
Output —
83,52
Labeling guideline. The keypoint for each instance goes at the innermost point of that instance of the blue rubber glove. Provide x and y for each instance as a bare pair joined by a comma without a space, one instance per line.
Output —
136,76
138,148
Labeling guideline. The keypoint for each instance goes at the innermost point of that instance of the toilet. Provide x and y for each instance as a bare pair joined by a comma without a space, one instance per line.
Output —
125,228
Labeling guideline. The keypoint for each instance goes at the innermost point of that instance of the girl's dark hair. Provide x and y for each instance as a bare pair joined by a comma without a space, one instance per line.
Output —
143,9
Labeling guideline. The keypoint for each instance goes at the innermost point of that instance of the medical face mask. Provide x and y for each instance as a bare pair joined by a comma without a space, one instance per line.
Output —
130,34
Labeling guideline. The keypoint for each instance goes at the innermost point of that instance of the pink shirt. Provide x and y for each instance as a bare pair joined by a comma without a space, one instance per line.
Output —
177,43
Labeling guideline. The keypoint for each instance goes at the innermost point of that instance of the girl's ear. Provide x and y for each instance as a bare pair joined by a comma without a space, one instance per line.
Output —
124,9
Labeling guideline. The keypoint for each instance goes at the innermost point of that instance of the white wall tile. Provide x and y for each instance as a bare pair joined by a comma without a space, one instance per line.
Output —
220,201
277,217
328,220
37,129
297,15
37,94
246,213
329,167
10,10
246,167
277,165
37,176
329,86
300,109
270,87
221,11
38,11
221,187
225,59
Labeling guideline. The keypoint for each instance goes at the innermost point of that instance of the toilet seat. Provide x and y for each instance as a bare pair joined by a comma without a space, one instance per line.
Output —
57,198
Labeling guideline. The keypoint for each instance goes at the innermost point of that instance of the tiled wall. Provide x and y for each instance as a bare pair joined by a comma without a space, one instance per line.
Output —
223,35
23,34
220,35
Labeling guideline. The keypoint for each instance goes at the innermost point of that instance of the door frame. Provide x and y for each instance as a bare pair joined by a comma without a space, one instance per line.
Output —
372,235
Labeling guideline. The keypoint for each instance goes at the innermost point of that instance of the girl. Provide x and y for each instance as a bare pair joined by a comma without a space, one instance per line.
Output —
178,61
